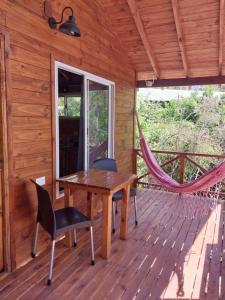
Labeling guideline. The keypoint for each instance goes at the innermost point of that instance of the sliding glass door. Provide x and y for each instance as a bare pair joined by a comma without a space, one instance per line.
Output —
84,119
98,121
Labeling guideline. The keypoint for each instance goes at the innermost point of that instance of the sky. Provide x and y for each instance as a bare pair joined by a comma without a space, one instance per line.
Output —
168,94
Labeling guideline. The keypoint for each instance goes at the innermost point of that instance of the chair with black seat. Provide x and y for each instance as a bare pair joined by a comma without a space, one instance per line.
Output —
109,164
58,222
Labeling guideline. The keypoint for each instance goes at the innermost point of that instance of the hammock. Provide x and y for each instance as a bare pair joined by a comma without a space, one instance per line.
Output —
204,182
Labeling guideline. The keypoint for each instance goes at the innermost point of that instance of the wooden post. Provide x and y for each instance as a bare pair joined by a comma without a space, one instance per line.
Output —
68,200
106,225
90,206
182,166
134,161
124,213
9,247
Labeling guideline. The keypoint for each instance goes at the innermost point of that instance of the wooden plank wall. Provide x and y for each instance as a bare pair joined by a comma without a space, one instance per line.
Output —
1,210
1,224
29,106
1,157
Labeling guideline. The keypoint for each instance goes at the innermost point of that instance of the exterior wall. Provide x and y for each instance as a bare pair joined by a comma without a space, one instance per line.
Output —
33,48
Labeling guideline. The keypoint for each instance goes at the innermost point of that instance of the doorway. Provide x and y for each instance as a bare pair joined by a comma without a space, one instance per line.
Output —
70,122
84,119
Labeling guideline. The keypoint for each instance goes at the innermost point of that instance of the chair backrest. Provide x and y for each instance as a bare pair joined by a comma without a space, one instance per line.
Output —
45,215
107,164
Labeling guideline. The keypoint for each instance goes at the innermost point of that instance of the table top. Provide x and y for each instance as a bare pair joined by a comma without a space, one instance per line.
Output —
99,179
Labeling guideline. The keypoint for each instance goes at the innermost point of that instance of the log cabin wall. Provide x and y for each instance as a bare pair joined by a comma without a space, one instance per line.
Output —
33,46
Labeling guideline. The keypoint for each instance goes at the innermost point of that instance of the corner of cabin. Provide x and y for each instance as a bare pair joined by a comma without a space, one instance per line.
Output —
30,50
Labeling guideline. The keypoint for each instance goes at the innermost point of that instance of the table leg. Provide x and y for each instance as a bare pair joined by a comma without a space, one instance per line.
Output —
106,225
68,200
90,205
124,213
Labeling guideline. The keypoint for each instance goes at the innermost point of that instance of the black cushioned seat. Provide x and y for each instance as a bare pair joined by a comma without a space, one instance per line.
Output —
68,218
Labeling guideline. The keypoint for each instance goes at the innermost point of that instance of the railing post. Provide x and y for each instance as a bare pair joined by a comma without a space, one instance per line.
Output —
182,166
134,161
135,155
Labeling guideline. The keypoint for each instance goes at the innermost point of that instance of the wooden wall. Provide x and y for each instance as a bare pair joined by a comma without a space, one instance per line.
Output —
33,46
1,157
1,224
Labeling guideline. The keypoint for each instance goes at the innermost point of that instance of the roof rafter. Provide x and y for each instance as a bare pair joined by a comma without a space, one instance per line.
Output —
221,36
183,81
140,27
180,35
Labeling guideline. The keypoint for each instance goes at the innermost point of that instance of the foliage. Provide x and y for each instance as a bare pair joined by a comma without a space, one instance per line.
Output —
69,106
98,117
194,124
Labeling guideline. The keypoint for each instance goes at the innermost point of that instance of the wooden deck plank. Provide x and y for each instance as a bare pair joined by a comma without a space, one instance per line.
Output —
176,284
214,275
191,267
141,254
163,254
125,255
78,258
61,274
171,262
201,290
118,257
169,235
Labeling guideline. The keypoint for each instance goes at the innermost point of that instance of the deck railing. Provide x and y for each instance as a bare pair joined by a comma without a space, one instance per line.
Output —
176,164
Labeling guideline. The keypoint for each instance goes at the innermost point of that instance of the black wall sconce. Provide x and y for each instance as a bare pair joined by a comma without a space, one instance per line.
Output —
69,27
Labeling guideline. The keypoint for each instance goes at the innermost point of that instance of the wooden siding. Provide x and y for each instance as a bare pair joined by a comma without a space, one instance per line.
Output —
1,159
33,46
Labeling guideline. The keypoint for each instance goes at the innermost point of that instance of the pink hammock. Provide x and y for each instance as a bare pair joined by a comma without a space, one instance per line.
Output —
209,179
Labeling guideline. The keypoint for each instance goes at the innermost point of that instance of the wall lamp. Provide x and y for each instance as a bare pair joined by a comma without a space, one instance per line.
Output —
69,27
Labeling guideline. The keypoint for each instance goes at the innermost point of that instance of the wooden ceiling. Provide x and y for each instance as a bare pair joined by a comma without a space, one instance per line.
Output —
170,38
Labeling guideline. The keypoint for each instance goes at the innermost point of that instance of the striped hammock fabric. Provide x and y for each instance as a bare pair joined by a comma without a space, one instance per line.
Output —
204,182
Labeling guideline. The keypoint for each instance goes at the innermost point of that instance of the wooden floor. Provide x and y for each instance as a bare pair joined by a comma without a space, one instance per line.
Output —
170,255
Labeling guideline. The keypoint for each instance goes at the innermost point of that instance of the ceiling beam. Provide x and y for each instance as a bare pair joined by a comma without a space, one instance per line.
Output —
221,36
181,81
180,35
140,27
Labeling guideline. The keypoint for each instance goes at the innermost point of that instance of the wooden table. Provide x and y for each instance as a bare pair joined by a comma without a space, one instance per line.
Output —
105,183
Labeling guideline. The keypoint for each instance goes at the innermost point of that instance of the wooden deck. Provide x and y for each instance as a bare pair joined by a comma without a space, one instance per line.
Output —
167,257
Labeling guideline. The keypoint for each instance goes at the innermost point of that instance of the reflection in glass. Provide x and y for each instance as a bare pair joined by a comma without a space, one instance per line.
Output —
98,95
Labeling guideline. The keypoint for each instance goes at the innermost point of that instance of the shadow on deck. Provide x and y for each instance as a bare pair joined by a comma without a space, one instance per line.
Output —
167,257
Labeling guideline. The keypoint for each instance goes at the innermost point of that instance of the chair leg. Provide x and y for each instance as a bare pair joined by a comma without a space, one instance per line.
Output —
34,247
113,218
92,247
75,237
135,211
51,263
116,208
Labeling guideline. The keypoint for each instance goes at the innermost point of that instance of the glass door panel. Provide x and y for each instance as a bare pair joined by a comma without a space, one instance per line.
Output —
98,121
